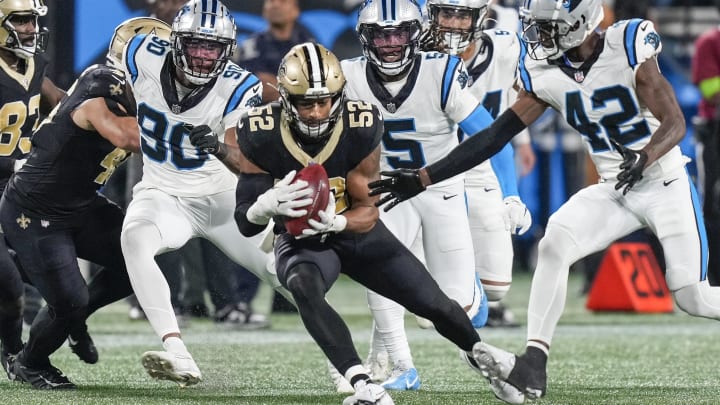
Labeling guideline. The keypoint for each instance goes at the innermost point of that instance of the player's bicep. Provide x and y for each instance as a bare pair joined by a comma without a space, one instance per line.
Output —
655,92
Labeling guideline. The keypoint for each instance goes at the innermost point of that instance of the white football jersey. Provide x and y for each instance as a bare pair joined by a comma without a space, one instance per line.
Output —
492,75
599,98
420,120
170,162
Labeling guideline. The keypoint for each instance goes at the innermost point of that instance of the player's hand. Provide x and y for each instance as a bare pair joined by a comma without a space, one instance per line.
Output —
400,185
329,221
283,199
631,168
516,216
203,138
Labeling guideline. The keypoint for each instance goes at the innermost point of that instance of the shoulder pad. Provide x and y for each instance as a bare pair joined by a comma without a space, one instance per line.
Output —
637,37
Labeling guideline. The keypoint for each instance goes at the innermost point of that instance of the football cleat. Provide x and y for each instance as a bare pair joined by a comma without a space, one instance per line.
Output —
367,394
481,317
8,359
499,316
379,366
403,380
516,370
83,346
180,368
240,316
502,390
47,378
342,385
424,323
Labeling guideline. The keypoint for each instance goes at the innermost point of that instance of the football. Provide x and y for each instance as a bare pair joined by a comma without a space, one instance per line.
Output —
317,179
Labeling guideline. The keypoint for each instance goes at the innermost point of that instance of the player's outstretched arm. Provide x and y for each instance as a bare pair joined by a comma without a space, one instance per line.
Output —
94,115
403,184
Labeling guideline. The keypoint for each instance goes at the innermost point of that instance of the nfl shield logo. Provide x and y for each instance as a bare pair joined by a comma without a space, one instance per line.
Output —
175,109
579,76
391,108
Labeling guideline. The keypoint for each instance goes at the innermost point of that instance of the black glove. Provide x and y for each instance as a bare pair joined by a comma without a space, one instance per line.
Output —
401,184
203,138
631,168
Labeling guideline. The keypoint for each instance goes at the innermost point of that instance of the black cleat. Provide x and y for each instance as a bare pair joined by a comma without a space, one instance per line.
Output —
83,346
47,378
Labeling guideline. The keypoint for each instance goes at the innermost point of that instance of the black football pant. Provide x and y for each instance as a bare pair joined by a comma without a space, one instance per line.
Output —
11,301
377,260
48,252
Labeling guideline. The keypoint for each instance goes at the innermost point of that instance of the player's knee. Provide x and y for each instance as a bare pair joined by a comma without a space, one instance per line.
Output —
138,236
699,299
558,244
305,282
495,292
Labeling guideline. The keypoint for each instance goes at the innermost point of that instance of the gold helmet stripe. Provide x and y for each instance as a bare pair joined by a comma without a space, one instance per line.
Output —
316,70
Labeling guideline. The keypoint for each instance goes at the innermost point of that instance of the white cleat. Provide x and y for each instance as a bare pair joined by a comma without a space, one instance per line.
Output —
367,394
342,385
502,389
424,323
496,364
180,368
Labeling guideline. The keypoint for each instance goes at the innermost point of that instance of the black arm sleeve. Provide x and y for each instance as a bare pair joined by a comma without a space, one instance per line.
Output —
249,188
478,148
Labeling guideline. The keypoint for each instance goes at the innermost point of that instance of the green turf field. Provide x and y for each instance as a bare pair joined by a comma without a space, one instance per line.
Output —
596,359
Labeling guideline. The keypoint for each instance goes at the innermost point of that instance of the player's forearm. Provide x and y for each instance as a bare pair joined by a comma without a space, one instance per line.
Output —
667,136
475,149
230,156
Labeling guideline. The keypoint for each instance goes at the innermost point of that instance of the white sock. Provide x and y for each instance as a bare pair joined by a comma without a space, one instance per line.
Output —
390,325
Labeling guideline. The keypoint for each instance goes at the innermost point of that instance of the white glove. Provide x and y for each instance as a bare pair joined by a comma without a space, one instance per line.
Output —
329,221
18,164
516,216
283,199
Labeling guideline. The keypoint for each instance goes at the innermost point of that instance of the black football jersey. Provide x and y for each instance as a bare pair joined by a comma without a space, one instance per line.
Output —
19,109
265,138
67,164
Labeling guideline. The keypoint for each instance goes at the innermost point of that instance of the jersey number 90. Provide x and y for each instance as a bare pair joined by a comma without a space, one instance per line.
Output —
162,143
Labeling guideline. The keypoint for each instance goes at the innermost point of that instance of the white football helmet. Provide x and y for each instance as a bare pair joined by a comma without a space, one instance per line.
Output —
551,27
455,40
309,72
389,32
128,29
19,43
204,24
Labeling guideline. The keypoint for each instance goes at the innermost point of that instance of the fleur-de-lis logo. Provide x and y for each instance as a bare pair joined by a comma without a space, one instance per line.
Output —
23,221
116,89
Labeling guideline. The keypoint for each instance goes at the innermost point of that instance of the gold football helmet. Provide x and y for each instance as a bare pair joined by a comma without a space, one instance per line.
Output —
128,29
307,72
20,12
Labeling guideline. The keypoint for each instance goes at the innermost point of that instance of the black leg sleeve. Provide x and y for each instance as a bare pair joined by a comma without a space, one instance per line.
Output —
322,322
